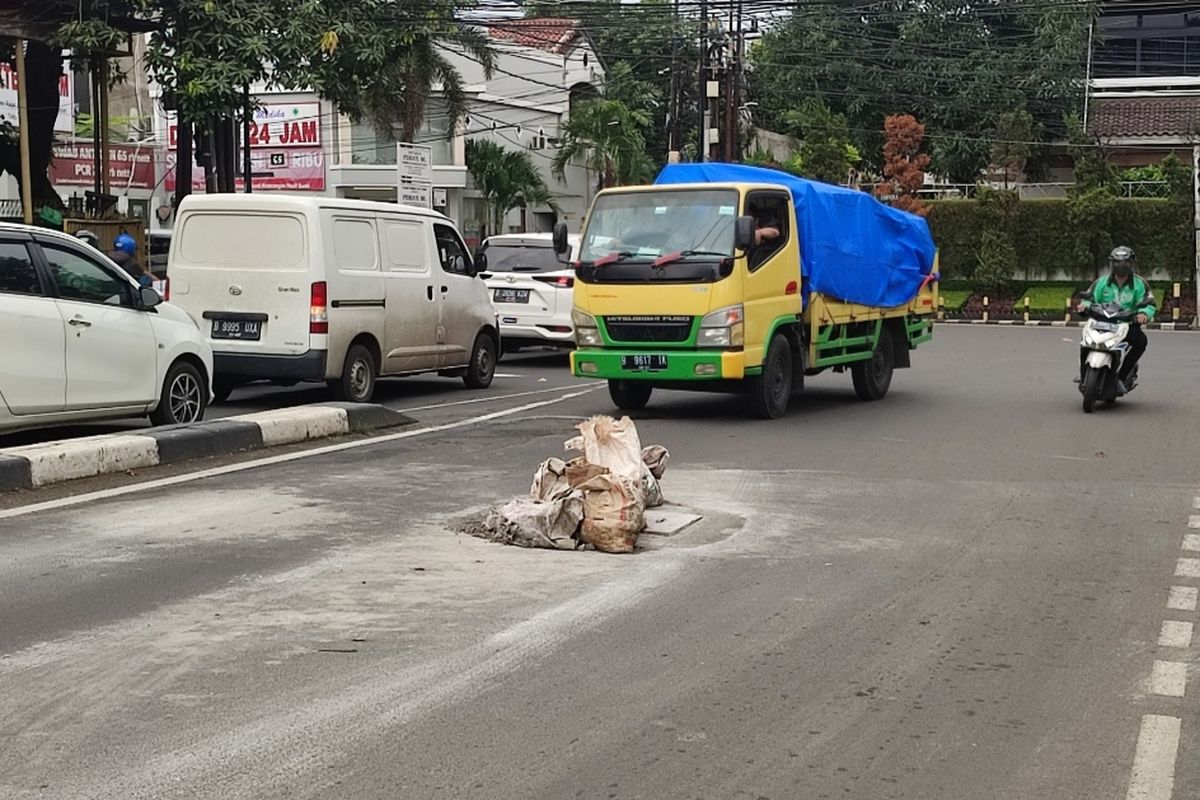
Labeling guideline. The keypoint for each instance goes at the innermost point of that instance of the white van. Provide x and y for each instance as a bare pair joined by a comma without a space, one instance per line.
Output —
290,288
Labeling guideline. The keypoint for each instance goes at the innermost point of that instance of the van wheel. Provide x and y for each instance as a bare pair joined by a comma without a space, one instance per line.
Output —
873,377
184,397
357,384
482,368
771,391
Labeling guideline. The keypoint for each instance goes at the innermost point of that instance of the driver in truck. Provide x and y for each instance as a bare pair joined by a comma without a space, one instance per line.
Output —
1124,286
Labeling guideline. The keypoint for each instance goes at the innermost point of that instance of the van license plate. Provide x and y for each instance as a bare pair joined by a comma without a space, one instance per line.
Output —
644,363
511,295
236,329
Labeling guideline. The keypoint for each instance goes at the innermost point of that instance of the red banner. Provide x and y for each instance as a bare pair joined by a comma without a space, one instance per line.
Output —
129,166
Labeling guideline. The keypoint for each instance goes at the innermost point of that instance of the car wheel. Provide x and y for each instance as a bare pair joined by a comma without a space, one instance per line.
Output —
184,396
482,368
357,384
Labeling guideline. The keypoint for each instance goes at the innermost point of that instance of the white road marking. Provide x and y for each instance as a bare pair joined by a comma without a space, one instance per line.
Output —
1194,521
1187,568
488,399
507,375
1196,502
1169,678
1183,598
1175,634
284,458
1153,775
1191,542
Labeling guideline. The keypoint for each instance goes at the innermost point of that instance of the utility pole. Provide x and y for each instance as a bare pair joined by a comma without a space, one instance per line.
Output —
23,121
702,95
674,104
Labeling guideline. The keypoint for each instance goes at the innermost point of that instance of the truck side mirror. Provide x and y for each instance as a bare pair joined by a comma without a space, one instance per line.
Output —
561,243
743,233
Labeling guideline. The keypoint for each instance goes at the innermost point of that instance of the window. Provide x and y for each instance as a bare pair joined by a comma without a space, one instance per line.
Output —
451,252
770,212
81,278
17,273
243,241
406,246
354,244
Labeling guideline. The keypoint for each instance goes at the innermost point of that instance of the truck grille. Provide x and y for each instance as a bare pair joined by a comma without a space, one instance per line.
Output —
647,329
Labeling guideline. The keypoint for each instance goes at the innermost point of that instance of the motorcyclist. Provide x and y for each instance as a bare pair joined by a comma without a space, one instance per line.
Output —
125,255
1124,286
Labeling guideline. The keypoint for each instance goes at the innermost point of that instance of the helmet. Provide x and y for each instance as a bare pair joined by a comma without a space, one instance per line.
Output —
1122,261
125,243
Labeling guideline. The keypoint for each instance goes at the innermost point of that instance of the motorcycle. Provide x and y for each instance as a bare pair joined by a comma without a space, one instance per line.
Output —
1102,349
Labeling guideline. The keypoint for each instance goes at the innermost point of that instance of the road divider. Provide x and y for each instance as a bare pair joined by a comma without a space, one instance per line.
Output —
48,463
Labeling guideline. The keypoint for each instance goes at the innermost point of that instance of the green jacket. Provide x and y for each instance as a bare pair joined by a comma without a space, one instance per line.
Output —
1135,295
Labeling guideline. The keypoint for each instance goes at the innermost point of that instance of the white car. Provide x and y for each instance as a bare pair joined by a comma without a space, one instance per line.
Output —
532,290
81,341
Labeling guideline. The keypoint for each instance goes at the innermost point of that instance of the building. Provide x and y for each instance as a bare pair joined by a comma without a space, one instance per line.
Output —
542,67
1144,87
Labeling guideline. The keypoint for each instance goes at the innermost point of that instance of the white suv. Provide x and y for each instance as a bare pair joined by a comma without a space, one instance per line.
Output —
531,289
80,340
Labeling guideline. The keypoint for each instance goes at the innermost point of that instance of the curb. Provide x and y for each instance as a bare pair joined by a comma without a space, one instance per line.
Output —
38,465
1055,323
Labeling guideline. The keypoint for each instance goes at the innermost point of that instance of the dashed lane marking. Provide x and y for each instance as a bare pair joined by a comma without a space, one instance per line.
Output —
1175,634
1168,678
1187,568
1183,598
1154,762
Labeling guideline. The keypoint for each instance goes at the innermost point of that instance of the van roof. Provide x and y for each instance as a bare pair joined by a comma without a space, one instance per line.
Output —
527,238
282,201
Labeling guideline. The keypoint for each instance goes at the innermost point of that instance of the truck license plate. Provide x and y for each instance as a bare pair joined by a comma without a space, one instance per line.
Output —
236,329
647,363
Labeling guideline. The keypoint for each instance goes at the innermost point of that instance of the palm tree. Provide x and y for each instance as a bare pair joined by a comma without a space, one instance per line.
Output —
507,179
404,86
607,135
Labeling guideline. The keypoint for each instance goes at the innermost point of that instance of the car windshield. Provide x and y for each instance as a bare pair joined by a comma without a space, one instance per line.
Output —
646,225
521,258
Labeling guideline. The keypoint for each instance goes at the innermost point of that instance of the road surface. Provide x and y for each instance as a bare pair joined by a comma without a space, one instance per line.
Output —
958,592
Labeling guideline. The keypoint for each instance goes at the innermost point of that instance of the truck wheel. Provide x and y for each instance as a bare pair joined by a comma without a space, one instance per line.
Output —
482,368
771,391
873,377
357,384
630,395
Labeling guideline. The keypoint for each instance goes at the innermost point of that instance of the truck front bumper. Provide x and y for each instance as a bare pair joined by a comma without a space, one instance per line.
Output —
680,365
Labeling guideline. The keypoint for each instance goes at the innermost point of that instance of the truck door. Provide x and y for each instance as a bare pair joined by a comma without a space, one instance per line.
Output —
773,268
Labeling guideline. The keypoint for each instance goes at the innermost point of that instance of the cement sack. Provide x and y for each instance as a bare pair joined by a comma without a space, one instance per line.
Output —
614,444
655,457
533,523
550,480
613,513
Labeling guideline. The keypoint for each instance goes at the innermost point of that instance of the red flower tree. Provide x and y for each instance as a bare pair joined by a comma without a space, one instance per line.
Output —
903,163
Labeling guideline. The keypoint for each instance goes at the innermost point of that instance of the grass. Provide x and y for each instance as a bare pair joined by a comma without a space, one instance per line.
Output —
954,298
1052,297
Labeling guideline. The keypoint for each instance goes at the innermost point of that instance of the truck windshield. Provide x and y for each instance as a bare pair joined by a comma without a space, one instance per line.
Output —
642,226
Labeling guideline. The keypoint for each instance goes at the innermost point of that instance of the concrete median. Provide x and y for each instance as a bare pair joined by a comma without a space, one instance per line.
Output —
38,465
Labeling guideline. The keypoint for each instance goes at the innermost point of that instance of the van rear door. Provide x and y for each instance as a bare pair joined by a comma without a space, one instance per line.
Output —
246,278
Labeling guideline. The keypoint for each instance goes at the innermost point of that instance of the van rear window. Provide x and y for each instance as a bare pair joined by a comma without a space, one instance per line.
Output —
243,241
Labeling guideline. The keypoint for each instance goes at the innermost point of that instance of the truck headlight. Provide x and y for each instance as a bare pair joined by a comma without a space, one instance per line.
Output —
587,334
722,328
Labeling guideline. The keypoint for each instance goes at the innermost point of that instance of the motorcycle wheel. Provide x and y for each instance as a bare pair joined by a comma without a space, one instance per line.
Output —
1092,380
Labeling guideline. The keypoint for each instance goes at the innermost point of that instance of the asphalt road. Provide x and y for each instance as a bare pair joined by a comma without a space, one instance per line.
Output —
958,592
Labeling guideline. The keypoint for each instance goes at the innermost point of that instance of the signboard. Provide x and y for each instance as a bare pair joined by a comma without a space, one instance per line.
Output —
300,169
285,150
415,194
414,163
9,112
129,167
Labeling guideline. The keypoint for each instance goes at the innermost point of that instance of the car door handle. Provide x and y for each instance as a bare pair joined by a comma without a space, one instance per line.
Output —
79,322
429,292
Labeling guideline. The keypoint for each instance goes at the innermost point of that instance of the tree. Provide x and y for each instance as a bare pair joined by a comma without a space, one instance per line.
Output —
507,179
997,250
1092,201
607,135
404,85
43,64
954,64
827,152
1013,144
904,164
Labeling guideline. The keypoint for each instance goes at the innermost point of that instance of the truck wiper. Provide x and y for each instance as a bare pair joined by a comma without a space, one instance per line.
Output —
668,258
612,258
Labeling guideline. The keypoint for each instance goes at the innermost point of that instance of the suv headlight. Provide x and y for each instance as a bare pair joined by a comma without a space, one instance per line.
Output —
722,328
587,334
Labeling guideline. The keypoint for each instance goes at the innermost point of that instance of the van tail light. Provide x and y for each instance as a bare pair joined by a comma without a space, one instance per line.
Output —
561,281
166,289
318,315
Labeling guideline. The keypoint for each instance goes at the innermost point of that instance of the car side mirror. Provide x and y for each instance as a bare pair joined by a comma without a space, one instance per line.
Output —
480,263
149,298
562,244
743,233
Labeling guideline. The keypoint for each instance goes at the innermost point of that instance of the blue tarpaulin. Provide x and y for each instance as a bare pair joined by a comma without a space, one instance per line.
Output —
852,247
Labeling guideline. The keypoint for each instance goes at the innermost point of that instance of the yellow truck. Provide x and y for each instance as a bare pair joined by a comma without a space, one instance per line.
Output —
706,283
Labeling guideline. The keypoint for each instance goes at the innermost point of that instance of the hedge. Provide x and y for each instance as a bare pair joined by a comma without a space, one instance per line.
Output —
1046,243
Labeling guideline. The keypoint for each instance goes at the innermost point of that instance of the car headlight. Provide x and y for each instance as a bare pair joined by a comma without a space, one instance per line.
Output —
722,328
587,333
